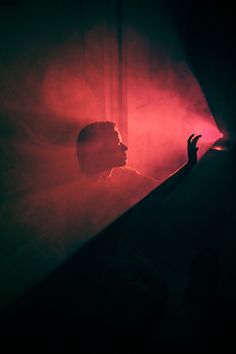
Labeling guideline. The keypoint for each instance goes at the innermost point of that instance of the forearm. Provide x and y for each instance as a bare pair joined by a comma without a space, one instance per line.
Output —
175,179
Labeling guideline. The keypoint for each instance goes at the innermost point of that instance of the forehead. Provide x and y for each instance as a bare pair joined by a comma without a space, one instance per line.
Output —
115,136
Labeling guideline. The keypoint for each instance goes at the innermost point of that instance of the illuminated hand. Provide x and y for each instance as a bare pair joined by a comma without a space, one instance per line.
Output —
192,149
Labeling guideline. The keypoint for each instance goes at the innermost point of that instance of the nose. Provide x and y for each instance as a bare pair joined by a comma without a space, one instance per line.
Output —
124,147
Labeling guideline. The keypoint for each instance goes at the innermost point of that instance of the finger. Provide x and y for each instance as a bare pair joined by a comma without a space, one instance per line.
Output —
189,139
195,140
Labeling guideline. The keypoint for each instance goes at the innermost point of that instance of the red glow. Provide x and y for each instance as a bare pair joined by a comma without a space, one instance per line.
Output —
210,134
63,92
45,105
218,148
160,116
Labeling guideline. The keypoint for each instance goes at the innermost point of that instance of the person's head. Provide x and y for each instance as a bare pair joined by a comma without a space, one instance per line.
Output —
99,148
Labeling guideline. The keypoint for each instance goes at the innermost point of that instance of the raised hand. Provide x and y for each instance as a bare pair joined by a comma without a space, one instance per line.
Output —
192,149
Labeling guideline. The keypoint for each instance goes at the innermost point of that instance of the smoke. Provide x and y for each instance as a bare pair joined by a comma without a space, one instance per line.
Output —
45,105
48,208
165,106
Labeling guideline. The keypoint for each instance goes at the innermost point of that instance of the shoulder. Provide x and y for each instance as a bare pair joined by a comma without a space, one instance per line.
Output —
131,175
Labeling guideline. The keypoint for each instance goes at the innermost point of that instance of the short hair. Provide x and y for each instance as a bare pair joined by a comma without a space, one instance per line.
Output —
93,133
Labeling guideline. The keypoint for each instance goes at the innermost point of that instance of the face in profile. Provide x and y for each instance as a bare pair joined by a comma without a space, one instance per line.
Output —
114,152
100,148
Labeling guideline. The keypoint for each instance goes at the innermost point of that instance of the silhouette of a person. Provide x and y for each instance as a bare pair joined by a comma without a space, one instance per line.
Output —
100,148
102,154
111,187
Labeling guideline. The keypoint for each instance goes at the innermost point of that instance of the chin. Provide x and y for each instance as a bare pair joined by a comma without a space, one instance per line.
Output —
120,162
124,162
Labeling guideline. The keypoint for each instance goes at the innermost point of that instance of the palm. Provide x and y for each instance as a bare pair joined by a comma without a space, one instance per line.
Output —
192,149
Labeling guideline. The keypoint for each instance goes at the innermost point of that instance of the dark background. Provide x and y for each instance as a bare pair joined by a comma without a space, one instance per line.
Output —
198,216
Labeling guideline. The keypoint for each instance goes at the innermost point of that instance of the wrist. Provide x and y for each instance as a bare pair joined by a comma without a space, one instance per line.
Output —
190,164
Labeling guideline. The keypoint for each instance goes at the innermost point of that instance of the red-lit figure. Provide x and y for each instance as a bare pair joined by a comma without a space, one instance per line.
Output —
101,152
100,149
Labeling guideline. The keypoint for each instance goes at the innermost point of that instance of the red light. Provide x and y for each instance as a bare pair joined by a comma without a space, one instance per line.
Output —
218,148
210,133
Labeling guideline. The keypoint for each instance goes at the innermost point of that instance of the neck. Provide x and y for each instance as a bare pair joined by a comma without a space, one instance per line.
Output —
101,174
106,173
